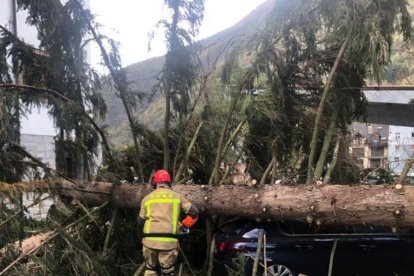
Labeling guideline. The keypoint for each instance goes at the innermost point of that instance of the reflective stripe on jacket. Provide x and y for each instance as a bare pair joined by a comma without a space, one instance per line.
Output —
161,210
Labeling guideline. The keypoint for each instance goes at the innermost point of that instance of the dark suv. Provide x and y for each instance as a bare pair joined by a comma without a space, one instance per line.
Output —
294,247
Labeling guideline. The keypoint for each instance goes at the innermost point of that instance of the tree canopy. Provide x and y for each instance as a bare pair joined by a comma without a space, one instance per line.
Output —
275,110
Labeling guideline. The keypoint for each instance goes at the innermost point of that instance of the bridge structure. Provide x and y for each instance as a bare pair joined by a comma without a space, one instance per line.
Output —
389,105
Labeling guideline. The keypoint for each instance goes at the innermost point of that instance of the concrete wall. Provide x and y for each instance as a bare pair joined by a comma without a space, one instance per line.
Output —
42,147
40,210
37,122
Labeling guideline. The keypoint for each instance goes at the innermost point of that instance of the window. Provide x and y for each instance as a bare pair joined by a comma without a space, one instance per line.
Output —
412,134
375,163
377,152
358,152
397,135
396,159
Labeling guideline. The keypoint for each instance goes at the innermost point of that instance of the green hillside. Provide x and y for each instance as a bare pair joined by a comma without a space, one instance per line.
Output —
142,75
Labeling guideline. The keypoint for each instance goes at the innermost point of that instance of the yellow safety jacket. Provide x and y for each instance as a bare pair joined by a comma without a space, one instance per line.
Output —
161,211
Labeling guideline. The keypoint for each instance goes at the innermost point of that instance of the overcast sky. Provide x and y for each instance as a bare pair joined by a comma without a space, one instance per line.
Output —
130,21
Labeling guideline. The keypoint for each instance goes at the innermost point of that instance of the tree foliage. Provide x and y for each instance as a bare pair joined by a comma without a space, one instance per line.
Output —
180,69
296,54
57,75
283,109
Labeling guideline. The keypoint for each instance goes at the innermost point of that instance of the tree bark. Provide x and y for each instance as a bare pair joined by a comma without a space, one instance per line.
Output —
221,150
166,147
327,204
28,244
267,171
327,177
325,148
184,162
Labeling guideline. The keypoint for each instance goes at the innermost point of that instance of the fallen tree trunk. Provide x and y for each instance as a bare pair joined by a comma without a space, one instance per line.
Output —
27,245
326,204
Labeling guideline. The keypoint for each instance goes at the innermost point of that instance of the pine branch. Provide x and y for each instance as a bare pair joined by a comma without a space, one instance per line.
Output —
321,107
45,185
24,208
60,96
188,152
50,238
118,75
201,91
406,169
222,149
39,163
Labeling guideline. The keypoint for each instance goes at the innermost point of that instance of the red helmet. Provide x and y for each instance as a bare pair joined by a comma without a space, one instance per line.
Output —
161,176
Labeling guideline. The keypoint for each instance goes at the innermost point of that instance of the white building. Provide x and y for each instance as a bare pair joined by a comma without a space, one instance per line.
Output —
37,128
391,105
400,148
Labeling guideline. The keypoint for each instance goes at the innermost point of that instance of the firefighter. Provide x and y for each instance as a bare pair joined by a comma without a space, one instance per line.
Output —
160,217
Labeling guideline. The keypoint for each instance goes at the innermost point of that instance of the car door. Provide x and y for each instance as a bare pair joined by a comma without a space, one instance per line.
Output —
303,248
404,265
368,251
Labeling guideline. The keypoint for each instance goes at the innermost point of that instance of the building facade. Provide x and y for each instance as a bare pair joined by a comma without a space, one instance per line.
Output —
401,148
390,144
369,145
36,123
382,146
37,132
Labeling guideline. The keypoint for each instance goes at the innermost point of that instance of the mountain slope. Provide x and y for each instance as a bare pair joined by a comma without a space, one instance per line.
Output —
142,75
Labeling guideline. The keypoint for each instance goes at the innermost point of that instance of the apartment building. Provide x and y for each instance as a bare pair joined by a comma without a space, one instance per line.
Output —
369,144
385,146
400,147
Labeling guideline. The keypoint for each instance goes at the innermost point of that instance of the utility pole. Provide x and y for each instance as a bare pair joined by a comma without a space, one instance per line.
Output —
16,115
14,17
16,119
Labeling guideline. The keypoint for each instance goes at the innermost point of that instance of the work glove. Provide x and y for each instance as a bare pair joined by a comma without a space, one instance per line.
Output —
188,221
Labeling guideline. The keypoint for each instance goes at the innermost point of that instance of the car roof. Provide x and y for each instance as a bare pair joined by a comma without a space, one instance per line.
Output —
291,228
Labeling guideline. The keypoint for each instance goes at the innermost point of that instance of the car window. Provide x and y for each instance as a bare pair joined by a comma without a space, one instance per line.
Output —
235,227
405,231
252,234
300,228
292,228
366,229
250,229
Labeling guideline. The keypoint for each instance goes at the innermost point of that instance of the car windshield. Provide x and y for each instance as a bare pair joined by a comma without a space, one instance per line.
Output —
252,234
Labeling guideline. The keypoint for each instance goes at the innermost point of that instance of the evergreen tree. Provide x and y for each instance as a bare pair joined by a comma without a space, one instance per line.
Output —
316,55
180,69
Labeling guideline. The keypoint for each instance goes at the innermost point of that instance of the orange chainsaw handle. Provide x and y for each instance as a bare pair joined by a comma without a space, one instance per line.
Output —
188,221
